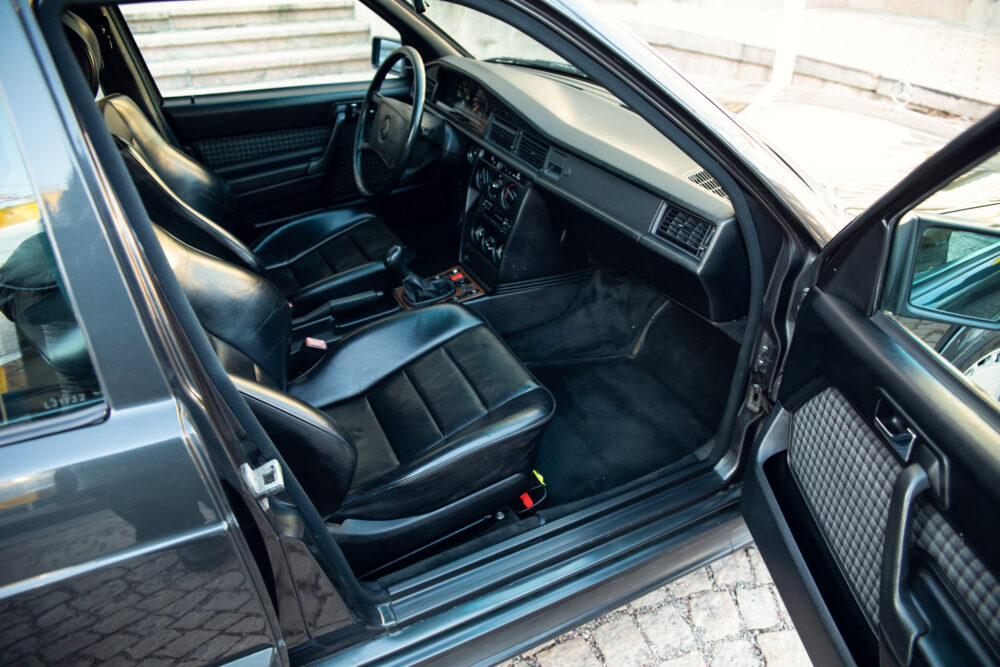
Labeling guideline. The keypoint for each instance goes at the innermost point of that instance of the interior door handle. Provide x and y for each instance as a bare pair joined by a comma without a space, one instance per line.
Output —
899,622
894,428
320,164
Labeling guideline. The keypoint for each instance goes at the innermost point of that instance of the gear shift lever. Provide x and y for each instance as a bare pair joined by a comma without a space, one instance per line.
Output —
417,291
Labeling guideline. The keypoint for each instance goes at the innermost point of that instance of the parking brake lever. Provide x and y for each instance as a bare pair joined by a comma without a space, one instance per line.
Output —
334,307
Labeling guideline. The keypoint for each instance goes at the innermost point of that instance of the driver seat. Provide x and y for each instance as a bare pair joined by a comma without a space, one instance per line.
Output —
312,258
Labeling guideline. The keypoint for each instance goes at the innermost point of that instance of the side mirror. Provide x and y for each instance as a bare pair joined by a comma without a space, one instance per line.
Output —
381,48
944,269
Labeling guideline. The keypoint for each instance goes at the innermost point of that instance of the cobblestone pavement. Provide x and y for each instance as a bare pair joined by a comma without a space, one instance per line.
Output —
726,613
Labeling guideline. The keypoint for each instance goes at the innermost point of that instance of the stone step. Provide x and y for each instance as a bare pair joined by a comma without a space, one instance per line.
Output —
195,14
249,39
276,67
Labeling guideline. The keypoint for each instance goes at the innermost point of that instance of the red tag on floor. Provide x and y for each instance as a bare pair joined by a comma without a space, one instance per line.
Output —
526,499
315,343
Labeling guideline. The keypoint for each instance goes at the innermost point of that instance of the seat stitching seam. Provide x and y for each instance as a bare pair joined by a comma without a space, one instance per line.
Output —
465,376
427,407
460,457
357,246
378,422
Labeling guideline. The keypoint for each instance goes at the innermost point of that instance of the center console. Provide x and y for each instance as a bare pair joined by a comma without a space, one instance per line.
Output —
465,288
509,247
501,189
506,227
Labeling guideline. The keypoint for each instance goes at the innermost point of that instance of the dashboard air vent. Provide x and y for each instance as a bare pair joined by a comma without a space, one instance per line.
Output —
503,135
707,181
685,230
532,150
430,89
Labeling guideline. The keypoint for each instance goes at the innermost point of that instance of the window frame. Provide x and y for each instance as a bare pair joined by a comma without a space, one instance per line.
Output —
75,203
288,85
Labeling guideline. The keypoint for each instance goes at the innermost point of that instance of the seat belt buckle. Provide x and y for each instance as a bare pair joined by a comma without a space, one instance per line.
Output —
308,353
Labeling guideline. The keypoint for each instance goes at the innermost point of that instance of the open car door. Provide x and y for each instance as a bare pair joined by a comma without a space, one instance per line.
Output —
873,488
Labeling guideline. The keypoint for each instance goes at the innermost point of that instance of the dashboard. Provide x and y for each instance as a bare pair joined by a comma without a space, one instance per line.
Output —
466,97
551,150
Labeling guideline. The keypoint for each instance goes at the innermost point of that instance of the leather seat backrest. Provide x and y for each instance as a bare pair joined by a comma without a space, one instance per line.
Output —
189,181
189,201
314,445
187,220
247,317
248,322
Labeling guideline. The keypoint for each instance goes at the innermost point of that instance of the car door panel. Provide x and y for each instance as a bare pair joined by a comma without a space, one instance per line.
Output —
282,152
826,484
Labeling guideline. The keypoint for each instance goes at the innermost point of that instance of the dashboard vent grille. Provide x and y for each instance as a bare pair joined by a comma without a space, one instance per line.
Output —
430,89
503,135
707,181
532,150
685,230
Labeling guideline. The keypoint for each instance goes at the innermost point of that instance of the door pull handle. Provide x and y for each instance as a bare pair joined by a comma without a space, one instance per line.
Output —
900,624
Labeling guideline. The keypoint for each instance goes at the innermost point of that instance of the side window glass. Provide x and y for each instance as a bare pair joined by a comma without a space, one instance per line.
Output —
955,275
45,367
206,46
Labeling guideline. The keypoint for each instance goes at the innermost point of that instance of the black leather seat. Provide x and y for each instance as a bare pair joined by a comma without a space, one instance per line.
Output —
314,258
405,431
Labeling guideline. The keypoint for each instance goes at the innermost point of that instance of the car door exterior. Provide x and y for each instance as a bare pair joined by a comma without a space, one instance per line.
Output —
116,539
873,490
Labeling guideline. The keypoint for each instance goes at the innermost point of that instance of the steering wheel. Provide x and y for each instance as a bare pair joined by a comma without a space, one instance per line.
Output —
388,127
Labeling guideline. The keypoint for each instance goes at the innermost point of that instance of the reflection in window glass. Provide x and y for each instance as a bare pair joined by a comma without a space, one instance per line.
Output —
45,367
955,273
487,38
973,196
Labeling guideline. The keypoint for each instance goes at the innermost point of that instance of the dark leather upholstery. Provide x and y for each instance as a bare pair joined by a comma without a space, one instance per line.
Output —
309,441
243,312
436,404
422,411
185,178
336,253
312,259
86,48
315,258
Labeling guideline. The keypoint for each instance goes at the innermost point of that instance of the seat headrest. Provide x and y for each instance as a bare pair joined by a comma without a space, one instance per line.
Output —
86,48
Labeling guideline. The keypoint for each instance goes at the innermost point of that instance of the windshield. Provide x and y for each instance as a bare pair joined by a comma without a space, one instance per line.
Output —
488,38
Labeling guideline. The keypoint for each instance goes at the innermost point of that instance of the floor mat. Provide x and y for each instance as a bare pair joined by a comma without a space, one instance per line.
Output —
614,422
605,318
